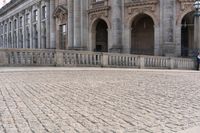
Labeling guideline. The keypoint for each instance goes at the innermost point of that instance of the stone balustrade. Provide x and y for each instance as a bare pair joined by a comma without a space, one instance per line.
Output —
38,57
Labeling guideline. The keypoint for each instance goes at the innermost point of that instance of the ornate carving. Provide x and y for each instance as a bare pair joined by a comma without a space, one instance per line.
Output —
98,12
141,6
186,7
185,4
138,6
61,13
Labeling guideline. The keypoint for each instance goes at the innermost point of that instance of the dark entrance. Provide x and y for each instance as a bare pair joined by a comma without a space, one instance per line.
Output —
187,35
101,36
143,35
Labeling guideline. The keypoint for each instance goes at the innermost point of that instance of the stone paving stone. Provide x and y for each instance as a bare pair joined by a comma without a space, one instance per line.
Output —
98,101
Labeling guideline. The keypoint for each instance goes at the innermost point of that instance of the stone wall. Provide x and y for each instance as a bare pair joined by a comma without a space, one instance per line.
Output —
82,16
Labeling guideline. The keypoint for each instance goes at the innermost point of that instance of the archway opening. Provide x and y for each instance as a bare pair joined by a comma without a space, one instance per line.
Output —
142,35
101,36
187,34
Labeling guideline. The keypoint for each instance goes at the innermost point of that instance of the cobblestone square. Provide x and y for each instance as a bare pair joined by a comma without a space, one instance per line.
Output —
94,100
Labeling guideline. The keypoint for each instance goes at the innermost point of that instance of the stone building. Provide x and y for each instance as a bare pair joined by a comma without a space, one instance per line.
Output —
151,27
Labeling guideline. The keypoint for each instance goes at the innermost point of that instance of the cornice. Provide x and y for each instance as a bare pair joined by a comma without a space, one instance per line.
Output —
140,3
10,5
99,9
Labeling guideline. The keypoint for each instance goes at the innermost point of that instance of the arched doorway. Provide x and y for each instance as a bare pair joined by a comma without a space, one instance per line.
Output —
187,34
101,41
142,35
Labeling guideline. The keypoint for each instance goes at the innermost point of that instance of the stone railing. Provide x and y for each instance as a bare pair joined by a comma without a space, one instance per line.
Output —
28,57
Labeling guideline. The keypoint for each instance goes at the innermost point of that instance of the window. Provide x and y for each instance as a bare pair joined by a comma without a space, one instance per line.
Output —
10,26
43,32
1,41
5,28
15,24
35,38
21,37
35,15
20,21
10,40
63,36
28,18
15,39
5,40
1,30
44,12
27,37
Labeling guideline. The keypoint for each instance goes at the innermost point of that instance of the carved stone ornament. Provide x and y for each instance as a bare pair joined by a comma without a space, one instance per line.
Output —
185,4
141,6
138,7
98,12
186,7
60,13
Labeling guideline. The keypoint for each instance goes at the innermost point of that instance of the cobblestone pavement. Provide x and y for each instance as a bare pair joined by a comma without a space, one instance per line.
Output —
98,100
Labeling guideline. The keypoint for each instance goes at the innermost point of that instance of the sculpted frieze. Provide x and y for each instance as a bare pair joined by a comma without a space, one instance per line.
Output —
98,13
186,6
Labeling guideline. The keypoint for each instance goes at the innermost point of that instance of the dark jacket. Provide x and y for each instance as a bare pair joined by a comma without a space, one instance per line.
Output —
198,59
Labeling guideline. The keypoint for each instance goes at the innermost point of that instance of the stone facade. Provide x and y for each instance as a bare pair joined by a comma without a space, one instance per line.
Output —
152,27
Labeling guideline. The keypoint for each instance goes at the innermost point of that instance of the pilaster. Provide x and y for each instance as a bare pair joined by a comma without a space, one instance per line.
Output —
77,24
70,24
116,26
52,25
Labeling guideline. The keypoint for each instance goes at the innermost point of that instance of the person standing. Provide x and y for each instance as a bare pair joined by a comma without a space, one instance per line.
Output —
198,61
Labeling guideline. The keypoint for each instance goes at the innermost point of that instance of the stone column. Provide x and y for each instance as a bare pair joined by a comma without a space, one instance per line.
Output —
39,26
24,30
52,25
70,24
197,32
48,25
77,24
31,28
116,26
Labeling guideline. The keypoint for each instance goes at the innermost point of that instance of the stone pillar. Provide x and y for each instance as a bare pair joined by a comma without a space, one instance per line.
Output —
52,25
24,30
70,24
48,26
168,13
39,26
116,26
77,24
31,28
197,32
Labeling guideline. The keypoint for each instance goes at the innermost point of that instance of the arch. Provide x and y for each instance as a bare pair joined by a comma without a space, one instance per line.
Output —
143,35
94,22
132,18
187,34
96,44
181,16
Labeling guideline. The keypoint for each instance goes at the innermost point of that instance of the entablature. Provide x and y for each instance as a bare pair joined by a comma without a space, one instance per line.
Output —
133,3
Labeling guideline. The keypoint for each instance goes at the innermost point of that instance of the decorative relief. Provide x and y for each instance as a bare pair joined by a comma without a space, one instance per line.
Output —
98,13
61,14
141,9
185,4
141,6
186,7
